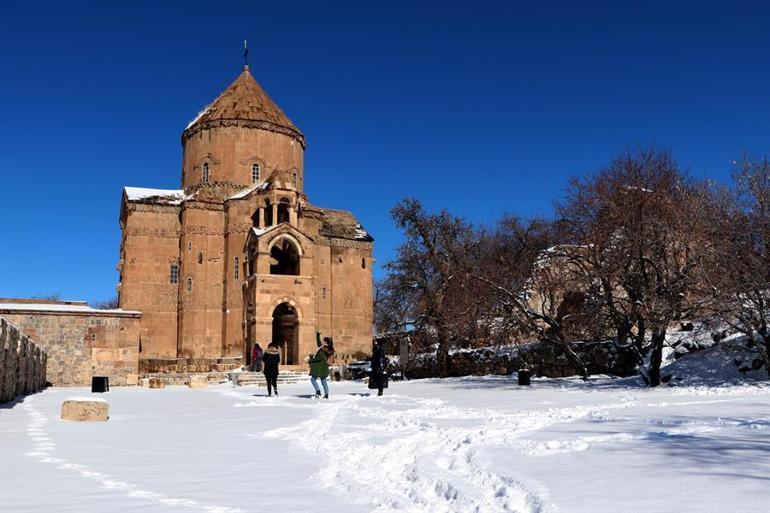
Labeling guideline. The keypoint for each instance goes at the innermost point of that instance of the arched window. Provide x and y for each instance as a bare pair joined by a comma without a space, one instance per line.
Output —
284,258
236,270
283,211
173,273
205,172
250,262
189,284
254,173
294,178
268,214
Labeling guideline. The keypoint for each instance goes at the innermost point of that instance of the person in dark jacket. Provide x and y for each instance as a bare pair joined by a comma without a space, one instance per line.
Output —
272,359
319,364
379,376
256,357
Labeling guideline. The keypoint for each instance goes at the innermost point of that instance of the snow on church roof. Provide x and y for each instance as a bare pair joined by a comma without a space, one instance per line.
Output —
261,231
167,196
248,190
362,234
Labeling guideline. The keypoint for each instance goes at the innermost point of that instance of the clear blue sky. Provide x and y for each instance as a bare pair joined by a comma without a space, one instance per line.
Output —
477,107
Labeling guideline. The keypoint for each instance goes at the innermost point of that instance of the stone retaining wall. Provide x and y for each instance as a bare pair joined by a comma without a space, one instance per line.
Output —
547,360
22,363
185,377
188,365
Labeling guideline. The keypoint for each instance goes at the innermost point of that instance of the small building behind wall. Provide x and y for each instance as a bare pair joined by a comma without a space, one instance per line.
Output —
80,341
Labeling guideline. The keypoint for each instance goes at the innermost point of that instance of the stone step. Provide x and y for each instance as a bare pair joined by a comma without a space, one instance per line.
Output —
280,380
264,385
241,379
291,373
257,378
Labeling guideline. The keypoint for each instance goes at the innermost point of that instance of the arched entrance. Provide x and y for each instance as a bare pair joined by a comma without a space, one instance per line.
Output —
286,333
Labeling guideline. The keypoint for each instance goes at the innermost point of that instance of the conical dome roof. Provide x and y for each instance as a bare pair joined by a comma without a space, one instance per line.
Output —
244,103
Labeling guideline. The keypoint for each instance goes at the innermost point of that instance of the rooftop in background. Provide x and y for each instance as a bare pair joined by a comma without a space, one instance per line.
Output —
55,306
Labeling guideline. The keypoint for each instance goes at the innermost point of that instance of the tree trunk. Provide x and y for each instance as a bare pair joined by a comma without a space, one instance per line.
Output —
766,339
578,361
641,333
624,335
442,354
554,335
656,357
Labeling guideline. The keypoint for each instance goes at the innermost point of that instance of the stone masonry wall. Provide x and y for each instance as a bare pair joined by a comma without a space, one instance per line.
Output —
149,247
83,345
543,359
22,363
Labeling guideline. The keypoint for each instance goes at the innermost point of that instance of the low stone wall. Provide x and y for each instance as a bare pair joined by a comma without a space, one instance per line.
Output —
22,363
183,378
186,366
81,342
544,359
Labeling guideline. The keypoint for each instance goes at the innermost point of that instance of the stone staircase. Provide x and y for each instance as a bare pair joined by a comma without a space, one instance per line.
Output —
244,379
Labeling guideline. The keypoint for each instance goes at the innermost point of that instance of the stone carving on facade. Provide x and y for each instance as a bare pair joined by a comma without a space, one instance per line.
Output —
148,231
348,243
141,206
239,228
202,230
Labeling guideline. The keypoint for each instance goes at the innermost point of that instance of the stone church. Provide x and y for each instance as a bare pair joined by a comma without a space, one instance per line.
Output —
238,254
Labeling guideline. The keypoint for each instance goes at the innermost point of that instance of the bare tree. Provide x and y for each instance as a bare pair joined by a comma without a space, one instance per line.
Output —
106,304
426,284
527,289
54,296
740,274
640,224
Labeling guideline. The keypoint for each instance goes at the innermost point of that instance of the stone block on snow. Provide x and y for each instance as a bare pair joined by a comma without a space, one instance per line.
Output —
85,409
157,383
198,381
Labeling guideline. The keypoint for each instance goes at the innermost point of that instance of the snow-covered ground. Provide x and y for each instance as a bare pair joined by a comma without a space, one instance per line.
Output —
454,445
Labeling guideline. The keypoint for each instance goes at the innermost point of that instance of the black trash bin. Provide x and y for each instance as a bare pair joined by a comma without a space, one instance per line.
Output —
524,375
100,384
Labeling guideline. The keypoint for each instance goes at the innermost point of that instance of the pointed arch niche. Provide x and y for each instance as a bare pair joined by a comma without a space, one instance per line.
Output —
285,253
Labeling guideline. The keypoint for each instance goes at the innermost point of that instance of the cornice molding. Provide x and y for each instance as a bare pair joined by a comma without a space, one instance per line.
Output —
243,123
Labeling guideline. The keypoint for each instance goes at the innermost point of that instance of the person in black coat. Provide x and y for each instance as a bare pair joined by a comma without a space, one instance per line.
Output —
379,376
272,359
